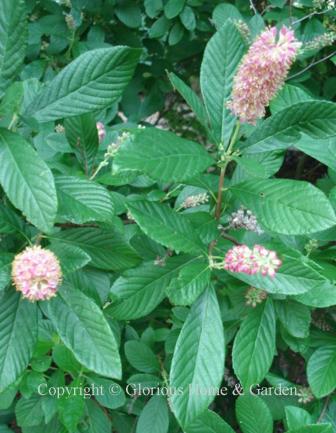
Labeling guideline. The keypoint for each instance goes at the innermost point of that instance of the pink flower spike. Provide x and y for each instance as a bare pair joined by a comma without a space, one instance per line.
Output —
252,261
101,131
36,273
262,73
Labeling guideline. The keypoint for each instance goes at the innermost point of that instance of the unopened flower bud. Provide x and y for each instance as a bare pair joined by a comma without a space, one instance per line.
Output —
255,296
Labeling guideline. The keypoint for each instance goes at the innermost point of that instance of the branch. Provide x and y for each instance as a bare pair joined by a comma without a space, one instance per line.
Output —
312,64
253,7
312,14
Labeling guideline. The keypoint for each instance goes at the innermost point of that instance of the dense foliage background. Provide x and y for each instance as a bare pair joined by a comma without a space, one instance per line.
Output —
140,221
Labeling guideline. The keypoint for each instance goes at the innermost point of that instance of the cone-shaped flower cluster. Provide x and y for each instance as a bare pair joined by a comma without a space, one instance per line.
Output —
36,273
241,258
262,73
101,131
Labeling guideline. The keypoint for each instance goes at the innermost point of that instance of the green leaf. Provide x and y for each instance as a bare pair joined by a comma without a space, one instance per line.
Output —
321,371
108,249
198,360
253,415
154,416
153,7
97,421
176,34
18,335
254,345
321,296
141,357
221,59
190,282
161,223
188,18
321,150
82,135
71,410
294,276
317,119
294,317
27,180
5,269
288,96
71,257
297,417
85,331
209,422
316,428
113,395
81,201
141,289
130,15
28,411
305,210
159,28
173,8
13,37
91,82
190,97
163,156
224,12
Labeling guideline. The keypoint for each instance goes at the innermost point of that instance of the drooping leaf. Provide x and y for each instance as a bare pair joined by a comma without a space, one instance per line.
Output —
81,201
93,81
198,359
82,327
18,335
254,345
163,156
221,59
305,210
13,39
165,226
27,180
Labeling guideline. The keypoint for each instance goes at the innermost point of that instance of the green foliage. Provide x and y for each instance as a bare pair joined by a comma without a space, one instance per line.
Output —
148,331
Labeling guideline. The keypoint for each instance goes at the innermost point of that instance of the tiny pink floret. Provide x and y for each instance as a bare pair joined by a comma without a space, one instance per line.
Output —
262,73
101,131
36,273
249,261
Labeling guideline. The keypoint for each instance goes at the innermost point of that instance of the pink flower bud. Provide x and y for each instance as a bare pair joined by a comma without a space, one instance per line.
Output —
101,131
262,73
36,273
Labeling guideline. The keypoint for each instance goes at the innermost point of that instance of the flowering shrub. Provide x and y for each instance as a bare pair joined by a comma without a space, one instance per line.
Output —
167,239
